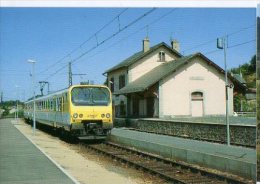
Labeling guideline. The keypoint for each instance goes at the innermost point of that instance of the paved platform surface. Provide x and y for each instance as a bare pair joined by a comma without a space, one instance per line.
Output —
232,159
23,163
233,120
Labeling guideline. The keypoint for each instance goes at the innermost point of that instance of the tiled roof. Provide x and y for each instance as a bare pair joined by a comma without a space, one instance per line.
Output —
154,76
135,57
239,78
163,70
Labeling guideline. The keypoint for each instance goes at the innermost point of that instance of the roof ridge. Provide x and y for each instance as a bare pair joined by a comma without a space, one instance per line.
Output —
136,56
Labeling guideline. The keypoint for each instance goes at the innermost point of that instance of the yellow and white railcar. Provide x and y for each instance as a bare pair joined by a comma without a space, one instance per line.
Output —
81,110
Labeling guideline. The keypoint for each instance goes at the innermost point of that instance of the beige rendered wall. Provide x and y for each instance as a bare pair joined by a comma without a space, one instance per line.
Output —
116,75
175,90
148,63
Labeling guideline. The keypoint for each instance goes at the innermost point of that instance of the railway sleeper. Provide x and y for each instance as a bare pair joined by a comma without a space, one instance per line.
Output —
165,169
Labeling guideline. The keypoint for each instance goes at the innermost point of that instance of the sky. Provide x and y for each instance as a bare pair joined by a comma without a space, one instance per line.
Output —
49,35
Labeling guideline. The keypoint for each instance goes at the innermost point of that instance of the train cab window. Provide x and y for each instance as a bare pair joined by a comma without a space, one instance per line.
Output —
90,96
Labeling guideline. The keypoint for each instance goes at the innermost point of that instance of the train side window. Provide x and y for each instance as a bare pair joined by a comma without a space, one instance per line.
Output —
64,102
59,104
54,104
50,105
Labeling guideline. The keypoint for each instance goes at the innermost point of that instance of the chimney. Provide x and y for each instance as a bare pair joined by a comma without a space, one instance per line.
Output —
146,44
175,45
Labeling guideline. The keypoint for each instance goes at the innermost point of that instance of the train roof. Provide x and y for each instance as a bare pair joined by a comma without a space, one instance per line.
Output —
63,91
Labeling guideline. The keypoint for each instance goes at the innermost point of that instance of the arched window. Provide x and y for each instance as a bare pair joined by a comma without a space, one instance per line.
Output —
197,95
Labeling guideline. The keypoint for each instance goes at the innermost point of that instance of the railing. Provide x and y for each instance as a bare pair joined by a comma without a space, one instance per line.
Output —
243,113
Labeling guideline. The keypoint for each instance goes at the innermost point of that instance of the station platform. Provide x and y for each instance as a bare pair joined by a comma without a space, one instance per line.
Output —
21,162
240,161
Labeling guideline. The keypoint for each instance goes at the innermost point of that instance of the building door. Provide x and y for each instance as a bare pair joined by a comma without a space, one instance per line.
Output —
197,104
135,106
150,107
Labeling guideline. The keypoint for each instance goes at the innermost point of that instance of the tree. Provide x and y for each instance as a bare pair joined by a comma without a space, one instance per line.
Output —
252,66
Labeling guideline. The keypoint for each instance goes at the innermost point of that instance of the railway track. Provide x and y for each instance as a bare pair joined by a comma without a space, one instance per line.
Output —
169,170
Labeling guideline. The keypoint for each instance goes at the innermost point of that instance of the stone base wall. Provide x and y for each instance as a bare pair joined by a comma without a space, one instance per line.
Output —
244,135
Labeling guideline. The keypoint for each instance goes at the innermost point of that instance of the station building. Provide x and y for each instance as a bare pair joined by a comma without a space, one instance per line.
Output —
159,82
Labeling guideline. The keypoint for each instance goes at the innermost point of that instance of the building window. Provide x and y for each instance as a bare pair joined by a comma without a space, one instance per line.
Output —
162,56
197,96
111,82
121,81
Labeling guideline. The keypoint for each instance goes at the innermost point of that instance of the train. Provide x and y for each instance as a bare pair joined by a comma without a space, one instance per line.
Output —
82,111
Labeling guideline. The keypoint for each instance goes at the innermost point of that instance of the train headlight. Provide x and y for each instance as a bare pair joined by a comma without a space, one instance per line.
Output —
103,115
81,115
75,115
108,115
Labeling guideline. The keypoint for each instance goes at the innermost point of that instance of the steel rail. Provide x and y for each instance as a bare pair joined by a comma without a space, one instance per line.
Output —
169,170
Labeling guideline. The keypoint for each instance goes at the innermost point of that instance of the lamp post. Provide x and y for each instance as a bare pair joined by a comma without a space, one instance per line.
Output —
17,111
33,86
222,44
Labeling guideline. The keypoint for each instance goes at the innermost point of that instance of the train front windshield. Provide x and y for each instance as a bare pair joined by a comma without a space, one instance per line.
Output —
92,96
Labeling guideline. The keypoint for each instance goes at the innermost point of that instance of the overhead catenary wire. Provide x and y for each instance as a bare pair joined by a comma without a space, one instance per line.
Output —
142,28
214,40
84,42
104,41
232,46
243,43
